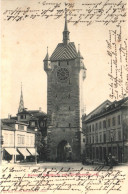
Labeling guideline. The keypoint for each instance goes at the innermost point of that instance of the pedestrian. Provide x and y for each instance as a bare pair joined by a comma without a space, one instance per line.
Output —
106,159
110,160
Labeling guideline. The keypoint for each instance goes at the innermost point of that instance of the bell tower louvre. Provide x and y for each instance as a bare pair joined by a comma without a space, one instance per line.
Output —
65,76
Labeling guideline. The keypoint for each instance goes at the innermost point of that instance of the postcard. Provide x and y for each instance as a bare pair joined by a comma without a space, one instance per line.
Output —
64,96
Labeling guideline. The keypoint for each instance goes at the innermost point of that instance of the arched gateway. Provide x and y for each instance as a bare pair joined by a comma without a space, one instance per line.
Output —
64,151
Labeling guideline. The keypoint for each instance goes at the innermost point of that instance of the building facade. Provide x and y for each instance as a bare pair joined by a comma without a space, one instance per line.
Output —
24,134
65,75
18,141
106,131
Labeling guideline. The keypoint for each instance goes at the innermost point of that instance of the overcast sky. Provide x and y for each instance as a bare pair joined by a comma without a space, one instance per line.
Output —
24,46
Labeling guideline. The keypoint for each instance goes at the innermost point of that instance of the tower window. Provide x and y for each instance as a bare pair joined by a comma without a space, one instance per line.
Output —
69,95
69,124
69,81
69,108
59,63
67,62
21,117
56,95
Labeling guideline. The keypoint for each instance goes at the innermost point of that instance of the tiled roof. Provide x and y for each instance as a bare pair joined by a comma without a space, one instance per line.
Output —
6,127
64,52
10,121
116,105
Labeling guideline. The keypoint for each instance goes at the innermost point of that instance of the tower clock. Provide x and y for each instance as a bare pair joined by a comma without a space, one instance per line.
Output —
65,76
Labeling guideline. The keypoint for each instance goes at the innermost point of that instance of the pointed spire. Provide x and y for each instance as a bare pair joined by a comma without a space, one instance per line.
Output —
47,56
21,104
79,54
66,26
66,32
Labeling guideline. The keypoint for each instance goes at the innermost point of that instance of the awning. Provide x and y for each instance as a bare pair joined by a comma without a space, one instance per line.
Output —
24,152
32,151
12,151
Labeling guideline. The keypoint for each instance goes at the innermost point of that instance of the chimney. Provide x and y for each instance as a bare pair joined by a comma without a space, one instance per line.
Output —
9,116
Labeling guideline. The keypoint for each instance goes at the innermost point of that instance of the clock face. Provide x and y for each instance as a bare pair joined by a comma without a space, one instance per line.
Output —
62,74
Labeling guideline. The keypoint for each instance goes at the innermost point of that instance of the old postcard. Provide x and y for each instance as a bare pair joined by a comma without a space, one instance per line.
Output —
64,96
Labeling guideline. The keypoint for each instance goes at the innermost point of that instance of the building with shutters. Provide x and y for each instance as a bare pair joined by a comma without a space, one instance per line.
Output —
106,131
19,134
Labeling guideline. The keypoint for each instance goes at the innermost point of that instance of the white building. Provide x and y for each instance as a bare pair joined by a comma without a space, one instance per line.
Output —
18,140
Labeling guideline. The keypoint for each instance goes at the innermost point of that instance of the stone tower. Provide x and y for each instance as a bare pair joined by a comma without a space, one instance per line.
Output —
65,75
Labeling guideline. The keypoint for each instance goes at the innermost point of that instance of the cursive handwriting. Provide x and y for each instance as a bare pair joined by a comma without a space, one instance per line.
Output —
105,12
83,180
118,62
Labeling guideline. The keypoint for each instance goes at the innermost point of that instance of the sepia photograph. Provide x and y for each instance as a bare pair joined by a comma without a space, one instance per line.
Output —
64,97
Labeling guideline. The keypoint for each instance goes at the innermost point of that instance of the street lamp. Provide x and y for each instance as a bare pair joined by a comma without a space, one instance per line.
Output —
35,146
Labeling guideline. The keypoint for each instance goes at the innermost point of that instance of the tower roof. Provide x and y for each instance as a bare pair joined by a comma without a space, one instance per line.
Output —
79,53
21,104
64,52
66,31
47,56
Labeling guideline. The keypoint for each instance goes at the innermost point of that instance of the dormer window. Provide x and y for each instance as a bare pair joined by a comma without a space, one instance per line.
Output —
32,123
21,116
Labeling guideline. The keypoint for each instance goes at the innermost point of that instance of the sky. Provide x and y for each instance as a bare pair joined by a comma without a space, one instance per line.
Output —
23,48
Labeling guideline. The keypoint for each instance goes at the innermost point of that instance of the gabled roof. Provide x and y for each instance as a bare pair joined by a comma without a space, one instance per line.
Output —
5,126
114,106
98,109
64,52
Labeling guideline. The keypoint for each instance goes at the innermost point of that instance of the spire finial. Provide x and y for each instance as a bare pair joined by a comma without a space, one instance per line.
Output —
78,47
79,54
21,104
47,56
66,32
21,86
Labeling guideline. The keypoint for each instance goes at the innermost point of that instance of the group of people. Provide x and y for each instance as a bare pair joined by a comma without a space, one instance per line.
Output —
108,160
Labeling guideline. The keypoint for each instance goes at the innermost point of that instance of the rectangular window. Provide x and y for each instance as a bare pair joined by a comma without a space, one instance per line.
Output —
100,138
83,139
104,138
11,139
99,125
21,127
87,129
32,124
108,122
93,127
6,139
118,119
90,139
90,128
96,138
113,121
119,135
96,126
93,139
21,117
22,140
104,124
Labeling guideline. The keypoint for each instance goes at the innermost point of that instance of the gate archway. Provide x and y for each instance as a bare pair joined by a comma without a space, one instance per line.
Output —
61,155
64,151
